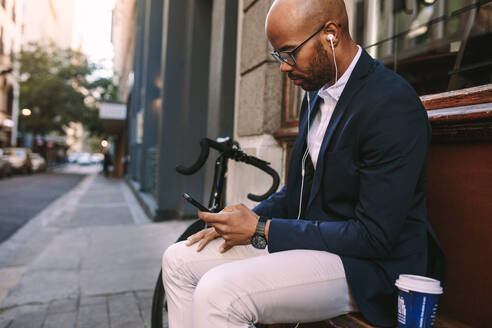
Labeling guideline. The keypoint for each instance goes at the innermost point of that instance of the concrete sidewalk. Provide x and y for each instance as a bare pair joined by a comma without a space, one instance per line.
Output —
90,259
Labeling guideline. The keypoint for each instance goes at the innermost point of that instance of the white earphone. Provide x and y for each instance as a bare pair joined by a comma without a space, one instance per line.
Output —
331,37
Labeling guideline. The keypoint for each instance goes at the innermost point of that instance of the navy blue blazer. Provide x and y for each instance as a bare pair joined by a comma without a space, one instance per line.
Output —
367,201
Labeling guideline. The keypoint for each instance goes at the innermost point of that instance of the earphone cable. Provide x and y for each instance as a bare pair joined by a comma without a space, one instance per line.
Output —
304,157
334,60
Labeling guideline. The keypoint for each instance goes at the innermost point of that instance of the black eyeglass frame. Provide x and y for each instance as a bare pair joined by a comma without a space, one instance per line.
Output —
277,55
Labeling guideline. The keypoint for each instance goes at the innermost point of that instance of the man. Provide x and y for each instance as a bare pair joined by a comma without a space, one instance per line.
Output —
352,216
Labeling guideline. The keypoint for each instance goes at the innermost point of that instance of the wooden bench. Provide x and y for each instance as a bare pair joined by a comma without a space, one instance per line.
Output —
355,320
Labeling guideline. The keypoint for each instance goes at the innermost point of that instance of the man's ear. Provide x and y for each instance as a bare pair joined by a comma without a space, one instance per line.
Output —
331,31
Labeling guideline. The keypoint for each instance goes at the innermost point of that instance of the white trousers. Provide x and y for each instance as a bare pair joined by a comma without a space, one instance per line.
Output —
245,286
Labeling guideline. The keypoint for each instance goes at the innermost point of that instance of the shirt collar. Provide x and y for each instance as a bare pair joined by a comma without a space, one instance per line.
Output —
335,91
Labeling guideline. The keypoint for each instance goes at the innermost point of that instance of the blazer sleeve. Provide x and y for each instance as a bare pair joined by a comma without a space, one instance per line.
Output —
393,149
273,206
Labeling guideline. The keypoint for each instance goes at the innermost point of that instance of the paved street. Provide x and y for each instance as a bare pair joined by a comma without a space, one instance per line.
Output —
89,259
22,197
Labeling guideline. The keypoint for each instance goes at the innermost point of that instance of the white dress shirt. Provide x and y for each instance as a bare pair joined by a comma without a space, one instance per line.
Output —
330,96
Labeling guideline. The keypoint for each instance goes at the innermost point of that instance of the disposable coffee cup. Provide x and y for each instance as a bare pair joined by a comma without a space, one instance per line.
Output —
418,299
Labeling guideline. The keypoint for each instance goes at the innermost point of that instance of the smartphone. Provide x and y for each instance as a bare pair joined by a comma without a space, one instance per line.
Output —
195,203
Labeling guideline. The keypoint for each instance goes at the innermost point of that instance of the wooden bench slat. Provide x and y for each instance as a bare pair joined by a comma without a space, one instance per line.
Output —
354,320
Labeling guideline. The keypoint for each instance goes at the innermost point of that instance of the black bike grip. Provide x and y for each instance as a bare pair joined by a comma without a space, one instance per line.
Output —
262,165
204,144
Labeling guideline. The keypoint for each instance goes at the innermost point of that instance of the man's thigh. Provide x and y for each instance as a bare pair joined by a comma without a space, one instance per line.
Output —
193,265
290,286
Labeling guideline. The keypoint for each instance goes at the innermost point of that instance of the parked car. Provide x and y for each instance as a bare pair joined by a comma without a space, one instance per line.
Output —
84,159
19,159
97,158
38,163
73,157
5,167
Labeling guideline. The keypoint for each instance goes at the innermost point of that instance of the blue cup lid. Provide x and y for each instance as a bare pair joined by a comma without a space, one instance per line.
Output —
419,284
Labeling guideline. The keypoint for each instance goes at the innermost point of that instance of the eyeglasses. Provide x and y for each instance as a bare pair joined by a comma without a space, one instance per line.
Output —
288,56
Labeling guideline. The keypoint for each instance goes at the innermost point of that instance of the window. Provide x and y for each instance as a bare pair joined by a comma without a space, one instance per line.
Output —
436,46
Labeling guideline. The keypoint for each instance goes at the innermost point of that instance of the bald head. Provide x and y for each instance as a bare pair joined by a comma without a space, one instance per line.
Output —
289,15
306,36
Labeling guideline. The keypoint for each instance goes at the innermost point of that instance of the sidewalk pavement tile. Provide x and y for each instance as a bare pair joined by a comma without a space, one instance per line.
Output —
93,316
63,306
103,192
100,216
29,320
60,320
4,323
43,287
30,250
110,282
145,305
91,300
124,311
63,253
24,315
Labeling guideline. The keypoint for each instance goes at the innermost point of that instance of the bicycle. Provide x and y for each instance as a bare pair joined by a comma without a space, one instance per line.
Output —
228,149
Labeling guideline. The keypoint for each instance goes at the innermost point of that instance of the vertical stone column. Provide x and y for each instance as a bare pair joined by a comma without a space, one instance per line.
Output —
258,108
150,90
135,103
183,117
136,97
221,92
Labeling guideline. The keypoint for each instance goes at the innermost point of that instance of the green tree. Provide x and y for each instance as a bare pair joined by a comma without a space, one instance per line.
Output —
54,84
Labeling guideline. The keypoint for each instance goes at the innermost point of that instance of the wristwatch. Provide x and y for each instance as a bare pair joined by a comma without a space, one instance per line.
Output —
259,239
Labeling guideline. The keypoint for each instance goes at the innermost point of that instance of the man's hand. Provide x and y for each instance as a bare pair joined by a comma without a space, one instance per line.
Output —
235,223
204,236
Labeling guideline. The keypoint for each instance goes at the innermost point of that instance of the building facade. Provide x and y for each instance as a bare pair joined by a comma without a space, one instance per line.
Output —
123,40
50,21
203,68
183,87
10,40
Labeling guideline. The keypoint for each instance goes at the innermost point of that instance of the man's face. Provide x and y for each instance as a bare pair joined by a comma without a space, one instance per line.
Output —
313,67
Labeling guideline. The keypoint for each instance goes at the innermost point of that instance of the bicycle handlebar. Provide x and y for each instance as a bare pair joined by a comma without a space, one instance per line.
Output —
205,149
231,150
264,166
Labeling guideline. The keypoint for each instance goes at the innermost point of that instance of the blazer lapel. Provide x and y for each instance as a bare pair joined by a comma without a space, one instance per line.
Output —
355,82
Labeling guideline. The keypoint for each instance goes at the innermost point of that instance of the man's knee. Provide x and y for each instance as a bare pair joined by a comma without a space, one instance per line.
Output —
172,259
220,294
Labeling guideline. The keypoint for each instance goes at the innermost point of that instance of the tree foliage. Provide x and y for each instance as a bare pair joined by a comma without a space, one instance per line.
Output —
55,84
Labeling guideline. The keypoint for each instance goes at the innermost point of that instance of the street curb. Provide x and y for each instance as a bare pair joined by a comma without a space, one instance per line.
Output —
63,206
146,203
138,212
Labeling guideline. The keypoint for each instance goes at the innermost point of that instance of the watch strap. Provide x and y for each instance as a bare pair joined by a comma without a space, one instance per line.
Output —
260,227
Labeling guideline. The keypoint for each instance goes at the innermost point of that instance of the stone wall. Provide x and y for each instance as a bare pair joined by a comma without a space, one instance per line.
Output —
258,104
